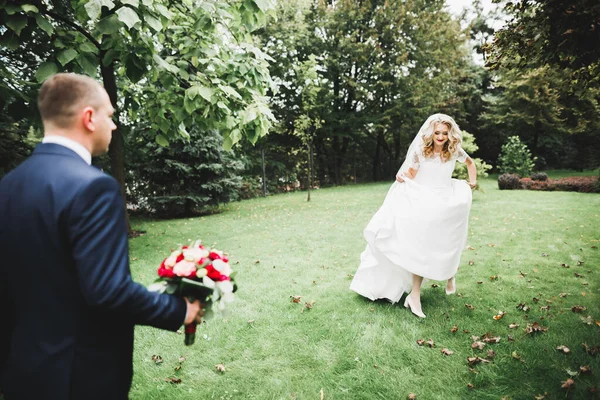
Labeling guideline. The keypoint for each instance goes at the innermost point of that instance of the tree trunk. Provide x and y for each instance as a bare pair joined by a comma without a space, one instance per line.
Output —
116,149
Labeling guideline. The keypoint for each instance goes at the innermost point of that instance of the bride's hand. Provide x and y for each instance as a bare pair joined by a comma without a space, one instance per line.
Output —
400,177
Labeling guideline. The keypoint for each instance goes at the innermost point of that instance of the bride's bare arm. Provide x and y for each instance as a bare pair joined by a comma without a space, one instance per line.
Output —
472,171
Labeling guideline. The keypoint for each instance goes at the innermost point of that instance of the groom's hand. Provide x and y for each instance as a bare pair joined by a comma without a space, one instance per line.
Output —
194,312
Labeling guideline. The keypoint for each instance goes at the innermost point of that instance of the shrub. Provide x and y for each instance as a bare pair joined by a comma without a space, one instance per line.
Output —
582,184
515,158
539,176
509,182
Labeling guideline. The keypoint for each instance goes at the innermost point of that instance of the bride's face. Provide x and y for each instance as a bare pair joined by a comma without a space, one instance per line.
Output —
440,134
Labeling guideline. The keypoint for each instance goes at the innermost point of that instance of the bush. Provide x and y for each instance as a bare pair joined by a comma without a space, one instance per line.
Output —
539,176
582,184
509,182
515,158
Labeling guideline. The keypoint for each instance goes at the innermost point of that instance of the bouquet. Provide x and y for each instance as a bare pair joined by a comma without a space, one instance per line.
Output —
197,273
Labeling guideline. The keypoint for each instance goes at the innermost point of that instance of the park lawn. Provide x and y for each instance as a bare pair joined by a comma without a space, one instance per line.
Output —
536,248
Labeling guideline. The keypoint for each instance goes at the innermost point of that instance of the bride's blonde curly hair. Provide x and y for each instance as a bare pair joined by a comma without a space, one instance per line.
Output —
454,136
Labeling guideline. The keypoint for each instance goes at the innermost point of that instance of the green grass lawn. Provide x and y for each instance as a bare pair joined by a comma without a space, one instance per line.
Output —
537,248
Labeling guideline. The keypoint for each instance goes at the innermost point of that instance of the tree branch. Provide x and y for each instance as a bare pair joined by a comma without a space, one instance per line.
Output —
75,26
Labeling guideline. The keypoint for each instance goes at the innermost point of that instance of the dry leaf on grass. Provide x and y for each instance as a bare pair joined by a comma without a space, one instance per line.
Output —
522,306
563,349
469,306
513,326
220,367
478,345
454,329
157,359
470,385
430,343
295,299
491,353
499,316
308,306
585,369
567,384
476,360
578,309
447,352
412,396
420,342
173,380
592,351
534,328
322,394
563,294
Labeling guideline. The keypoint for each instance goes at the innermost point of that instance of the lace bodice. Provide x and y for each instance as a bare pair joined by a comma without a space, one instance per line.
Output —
433,171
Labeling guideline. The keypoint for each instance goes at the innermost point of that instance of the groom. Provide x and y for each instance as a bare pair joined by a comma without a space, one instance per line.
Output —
64,271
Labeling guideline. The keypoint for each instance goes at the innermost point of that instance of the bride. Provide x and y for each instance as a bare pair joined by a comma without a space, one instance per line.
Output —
421,228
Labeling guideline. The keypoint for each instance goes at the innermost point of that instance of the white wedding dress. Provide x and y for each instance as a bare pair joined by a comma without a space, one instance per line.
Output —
421,229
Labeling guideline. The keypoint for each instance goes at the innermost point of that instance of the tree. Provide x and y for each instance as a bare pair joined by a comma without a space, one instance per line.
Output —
185,65
515,158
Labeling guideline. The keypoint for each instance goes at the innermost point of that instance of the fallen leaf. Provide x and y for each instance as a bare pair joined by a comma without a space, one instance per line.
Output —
470,385
412,396
454,329
579,262
479,282
447,352
220,367
181,359
250,321
469,306
544,308
540,397
421,342
522,306
578,275
178,367
522,274
578,309
435,285
495,339
499,316
565,265
515,355
510,338
430,343
535,327
475,338
494,278
308,306
476,360
470,248
567,384
513,326
257,262
544,254
322,394
563,295
478,345
585,369
157,359
491,353
295,299
592,351
563,349
535,299
350,276
571,372
471,262
173,380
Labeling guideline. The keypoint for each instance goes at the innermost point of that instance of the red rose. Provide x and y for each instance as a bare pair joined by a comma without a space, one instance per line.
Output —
179,258
214,256
165,272
225,259
215,275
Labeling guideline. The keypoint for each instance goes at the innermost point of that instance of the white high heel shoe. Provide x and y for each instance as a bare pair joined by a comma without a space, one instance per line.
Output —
408,304
453,285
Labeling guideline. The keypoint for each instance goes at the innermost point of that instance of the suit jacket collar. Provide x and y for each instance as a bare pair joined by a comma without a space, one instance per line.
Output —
56,149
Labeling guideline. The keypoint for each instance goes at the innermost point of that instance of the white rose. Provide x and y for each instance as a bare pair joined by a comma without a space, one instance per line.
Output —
223,267
209,283
228,297
225,286
192,254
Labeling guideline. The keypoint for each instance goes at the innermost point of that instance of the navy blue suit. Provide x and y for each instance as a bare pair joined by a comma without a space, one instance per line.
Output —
64,268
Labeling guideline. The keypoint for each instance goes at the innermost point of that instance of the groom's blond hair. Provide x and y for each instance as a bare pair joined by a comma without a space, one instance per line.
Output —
63,95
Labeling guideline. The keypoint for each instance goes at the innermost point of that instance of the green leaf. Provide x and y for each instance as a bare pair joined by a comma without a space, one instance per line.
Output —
133,3
66,56
12,9
153,22
16,22
30,8
45,70
196,90
222,105
164,65
109,25
230,91
163,11
128,17
44,24
94,7
87,66
263,5
109,57
87,47
147,3
189,105
182,131
162,141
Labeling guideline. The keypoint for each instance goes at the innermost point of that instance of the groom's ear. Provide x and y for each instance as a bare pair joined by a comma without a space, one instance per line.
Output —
87,118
